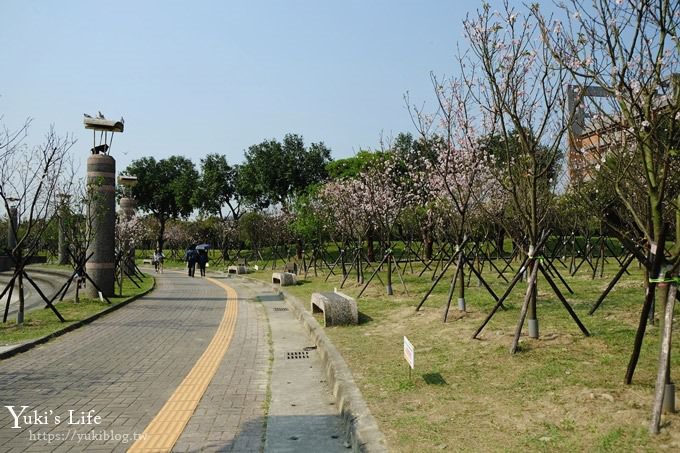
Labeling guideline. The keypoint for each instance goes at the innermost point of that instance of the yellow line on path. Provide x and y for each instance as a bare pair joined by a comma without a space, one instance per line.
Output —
166,427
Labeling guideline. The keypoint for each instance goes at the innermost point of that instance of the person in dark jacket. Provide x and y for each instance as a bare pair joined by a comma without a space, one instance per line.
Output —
202,260
191,261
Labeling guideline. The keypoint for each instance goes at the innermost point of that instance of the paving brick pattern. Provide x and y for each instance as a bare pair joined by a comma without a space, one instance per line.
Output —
230,417
126,365
123,367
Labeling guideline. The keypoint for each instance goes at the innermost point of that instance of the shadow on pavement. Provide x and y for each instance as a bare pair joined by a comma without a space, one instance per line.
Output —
292,433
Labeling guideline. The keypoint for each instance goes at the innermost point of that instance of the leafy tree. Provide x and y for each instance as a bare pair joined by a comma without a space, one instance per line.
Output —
164,188
251,227
308,222
275,173
502,149
217,187
350,167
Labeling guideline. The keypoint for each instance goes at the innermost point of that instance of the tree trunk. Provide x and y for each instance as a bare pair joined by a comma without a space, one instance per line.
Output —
342,263
20,313
663,382
533,319
389,275
658,258
429,245
427,236
160,239
370,251
500,239
298,248
461,284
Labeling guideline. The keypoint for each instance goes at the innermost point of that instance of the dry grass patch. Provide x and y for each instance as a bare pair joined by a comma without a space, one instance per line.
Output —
562,392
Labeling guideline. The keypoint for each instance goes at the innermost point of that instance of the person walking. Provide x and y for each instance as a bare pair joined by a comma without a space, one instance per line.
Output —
202,261
191,261
158,259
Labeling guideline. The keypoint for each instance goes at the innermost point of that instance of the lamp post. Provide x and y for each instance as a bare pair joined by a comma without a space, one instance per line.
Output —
12,228
128,209
12,224
128,205
101,180
62,257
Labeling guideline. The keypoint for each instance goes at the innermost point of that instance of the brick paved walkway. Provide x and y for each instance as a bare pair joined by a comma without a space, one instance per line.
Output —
123,367
126,365
230,417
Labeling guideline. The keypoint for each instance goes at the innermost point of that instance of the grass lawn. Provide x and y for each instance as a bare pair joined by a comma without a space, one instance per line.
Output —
41,322
562,392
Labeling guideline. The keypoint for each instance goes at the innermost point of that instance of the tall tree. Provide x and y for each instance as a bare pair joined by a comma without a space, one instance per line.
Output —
275,173
164,188
217,187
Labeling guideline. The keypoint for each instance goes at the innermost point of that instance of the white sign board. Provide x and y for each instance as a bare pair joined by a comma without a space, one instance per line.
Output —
409,353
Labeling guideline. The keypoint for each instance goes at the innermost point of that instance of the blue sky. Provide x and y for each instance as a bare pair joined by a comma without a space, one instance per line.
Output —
196,77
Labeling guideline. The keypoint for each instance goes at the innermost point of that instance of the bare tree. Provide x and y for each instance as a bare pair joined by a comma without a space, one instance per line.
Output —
77,210
10,139
29,181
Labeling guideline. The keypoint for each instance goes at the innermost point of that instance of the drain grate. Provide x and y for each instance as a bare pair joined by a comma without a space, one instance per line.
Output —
280,308
297,355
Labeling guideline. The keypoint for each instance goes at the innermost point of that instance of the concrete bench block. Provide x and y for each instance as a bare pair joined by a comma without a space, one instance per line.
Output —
338,309
284,278
240,269
147,261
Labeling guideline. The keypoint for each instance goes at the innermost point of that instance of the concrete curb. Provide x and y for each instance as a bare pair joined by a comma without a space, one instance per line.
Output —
38,341
361,428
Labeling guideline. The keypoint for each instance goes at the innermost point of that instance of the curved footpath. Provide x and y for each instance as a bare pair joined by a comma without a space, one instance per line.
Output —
48,280
186,368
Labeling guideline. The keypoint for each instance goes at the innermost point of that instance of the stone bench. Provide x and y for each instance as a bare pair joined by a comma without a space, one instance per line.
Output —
338,309
147,261
284,278
237,269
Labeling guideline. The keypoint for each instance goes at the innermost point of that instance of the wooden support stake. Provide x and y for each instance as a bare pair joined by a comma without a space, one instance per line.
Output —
664,360
531,287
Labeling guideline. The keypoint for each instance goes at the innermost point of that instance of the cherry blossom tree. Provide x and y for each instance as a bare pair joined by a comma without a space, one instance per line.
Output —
458,172
344,218
178,238
625,53
372,201
382,195
129,229
521,93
